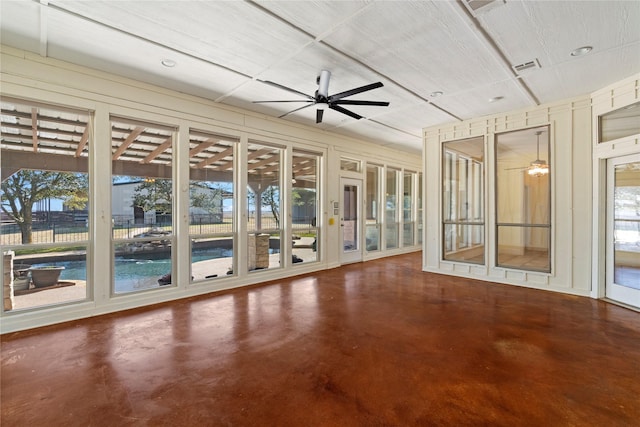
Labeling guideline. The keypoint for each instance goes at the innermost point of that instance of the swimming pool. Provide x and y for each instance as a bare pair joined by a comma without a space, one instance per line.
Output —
136,272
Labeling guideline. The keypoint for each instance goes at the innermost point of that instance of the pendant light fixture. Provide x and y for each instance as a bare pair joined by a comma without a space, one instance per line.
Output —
538,167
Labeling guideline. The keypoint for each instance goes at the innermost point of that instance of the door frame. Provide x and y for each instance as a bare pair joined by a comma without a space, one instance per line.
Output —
347,257
613,291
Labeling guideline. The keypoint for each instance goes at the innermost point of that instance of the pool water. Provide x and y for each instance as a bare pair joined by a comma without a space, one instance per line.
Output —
135,273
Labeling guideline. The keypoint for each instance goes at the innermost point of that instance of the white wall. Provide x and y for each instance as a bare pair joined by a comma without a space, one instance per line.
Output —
29,76
570,137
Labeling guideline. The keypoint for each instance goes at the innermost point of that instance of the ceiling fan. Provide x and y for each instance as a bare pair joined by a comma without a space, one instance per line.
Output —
537,167
323,100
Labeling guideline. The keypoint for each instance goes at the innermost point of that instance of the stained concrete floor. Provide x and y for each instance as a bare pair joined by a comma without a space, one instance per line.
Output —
371,344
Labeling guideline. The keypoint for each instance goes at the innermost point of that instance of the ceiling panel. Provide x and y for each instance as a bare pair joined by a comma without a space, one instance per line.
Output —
223,48
20,25
431,50
476,101
236,35
549,30
100,47
585,74
317,17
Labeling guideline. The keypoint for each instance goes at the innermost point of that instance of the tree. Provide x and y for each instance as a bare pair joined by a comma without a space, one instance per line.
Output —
22,190
271,198
206,196
154,194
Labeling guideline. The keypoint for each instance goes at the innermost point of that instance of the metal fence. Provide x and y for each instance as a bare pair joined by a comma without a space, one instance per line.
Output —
126,227
55,232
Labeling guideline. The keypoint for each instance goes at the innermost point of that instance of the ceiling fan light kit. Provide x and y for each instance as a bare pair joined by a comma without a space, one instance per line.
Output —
538,167
323,100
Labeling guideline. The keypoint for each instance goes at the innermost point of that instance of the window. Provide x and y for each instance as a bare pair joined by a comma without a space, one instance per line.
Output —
264,170
523,199
212,228
420,208
408,221
620,123
391,209
372,202
350,165
44,230
142,203
463,200
304,206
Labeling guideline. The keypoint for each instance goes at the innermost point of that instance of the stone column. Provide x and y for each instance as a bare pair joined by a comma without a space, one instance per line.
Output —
7,283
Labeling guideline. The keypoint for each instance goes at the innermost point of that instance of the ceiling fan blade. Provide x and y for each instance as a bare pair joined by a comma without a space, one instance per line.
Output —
297,100
297,109
355,91
286,88
345,111
354,102
319,114
513,169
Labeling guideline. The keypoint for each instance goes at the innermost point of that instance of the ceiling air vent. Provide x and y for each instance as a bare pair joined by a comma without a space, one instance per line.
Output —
480,6
526,66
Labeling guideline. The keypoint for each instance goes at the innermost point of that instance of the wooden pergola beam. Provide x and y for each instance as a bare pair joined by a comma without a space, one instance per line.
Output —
34,129
83,142
155,153
215,158
127,142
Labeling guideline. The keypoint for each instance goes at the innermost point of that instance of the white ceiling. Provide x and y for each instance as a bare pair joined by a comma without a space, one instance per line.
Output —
224,48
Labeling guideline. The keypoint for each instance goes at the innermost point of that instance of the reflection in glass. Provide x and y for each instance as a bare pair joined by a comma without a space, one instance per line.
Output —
626,214
264,201
463,200
420,208
391,210
408,224
211,205
350,220
350,165
44,231
372,202
142,197
523,200
620,123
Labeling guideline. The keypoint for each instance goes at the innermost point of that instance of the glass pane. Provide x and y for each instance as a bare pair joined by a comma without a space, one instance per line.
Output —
350,221
626,216
464,242
44,230
420,208
304,201
350,165
51,277
407,233
141,264
391,209
620,123
373,237
407,210
141,204
372,203
391,235
463,200
211,204
264,200
516,248
212,257
523,199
